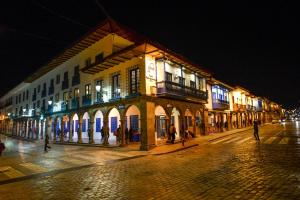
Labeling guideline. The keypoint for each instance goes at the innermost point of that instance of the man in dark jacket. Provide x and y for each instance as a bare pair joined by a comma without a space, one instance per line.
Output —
2,147
255,127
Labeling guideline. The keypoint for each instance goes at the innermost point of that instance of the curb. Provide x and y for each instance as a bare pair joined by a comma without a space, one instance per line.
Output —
180,149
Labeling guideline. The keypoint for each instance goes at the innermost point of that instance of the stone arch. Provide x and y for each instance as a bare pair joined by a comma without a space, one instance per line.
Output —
133,122
57,128
113,117
66,129
161,120
75,126
98,123
85,126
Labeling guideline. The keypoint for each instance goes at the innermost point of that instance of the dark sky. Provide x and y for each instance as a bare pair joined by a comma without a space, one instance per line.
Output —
254,45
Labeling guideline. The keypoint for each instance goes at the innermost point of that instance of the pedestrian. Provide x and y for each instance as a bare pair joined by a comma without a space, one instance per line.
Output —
130,134
46,143
2,147
172,132
127,135
119,135
255,127
102,134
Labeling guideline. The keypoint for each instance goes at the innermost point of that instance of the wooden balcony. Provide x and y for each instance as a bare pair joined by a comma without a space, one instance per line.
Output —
168,88
219,104
239,107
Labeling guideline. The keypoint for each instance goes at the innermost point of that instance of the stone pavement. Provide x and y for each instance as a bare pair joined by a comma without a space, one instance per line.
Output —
222,169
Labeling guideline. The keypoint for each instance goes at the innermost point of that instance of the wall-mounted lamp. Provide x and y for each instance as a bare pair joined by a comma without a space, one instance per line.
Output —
50,102
98,88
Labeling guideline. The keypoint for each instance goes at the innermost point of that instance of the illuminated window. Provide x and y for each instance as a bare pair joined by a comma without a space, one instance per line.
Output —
65,96
76,93
87,89
116,79
134,80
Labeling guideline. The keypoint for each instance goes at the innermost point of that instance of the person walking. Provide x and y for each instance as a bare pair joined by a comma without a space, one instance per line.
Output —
46,143
127,135
255,127
173,133
2,147
119,135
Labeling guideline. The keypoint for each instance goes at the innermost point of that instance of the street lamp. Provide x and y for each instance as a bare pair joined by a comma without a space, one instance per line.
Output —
24,110
50,102
98,88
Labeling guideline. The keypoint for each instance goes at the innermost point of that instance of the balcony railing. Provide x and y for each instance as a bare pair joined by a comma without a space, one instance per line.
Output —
75,103
86,100
64,106
76,80
171,88
239,107
220,104
250,108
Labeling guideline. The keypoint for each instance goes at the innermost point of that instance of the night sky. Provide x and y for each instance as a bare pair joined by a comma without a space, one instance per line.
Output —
253,45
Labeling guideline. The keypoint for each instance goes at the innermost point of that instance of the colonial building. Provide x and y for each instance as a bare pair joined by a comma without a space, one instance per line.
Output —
111,76
219,115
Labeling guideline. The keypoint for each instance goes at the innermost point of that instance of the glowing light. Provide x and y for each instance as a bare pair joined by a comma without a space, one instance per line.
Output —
98,88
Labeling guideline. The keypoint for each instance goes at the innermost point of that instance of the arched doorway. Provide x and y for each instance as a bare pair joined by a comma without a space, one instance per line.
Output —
160,122
66,129
234,120
98,123
85,127
58,128
75,127
188,121
175,119
199,123
133,123
113,124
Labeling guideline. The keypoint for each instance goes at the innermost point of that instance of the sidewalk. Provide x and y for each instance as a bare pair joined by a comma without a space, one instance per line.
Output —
200,140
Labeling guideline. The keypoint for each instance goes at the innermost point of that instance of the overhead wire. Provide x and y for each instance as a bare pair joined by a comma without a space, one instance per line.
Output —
60,15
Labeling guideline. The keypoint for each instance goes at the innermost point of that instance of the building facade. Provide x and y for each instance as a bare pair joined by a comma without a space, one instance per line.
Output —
114,77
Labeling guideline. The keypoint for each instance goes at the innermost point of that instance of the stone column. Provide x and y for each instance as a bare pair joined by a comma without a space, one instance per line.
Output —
91,129
54,130
123,142
147,125
71,133
79,133
205,122
62,130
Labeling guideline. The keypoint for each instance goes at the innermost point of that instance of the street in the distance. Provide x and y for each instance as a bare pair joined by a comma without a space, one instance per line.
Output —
231,167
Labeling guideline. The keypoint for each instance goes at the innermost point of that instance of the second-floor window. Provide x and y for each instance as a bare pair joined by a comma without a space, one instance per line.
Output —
99,58
57,97
169,77
19,97
116,90
87,89
57,78
99,90
76,93
27,94
76,76
134,77
24,96
193,84
88,62
181,81
65,83
65,96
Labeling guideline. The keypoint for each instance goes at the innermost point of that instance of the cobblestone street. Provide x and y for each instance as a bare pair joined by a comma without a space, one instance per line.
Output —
232,167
